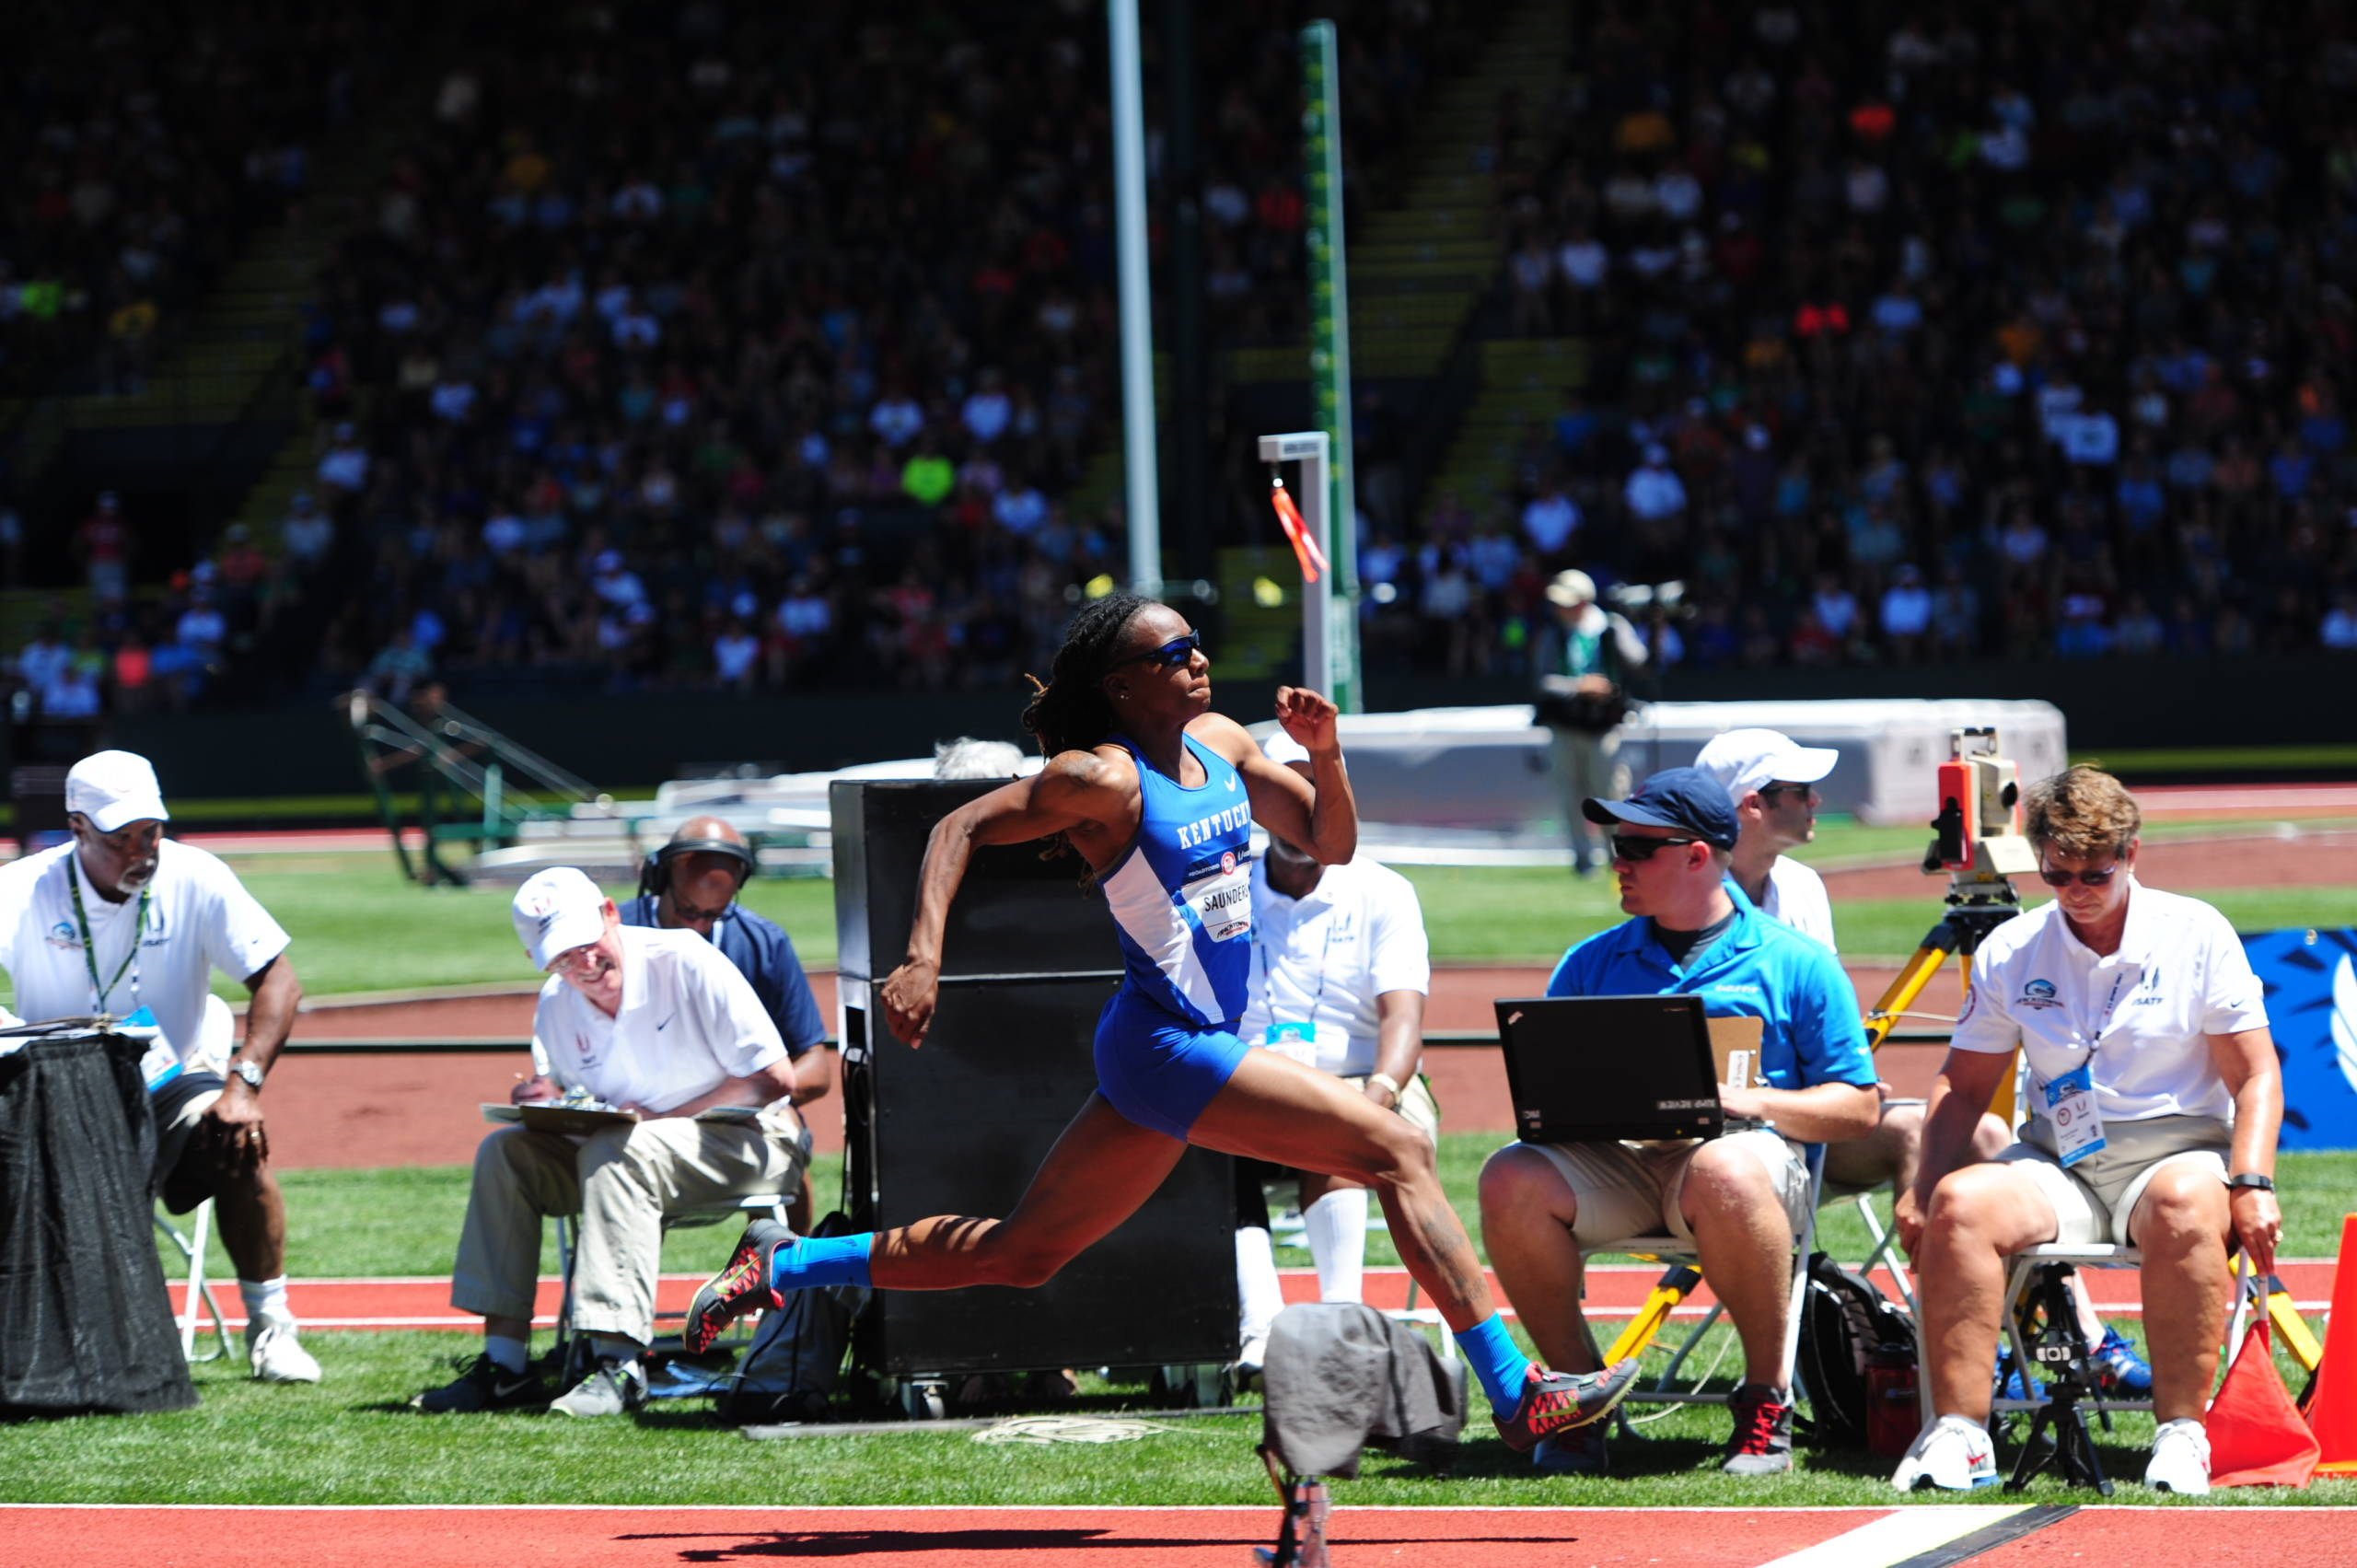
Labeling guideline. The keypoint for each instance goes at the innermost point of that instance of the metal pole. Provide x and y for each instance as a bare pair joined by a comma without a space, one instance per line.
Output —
1143,484
1329,346
1310,449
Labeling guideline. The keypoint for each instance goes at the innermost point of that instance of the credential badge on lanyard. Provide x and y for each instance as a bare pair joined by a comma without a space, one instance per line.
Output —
101,989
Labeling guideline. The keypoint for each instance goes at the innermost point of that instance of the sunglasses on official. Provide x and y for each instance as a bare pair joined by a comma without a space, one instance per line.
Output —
1633,849
1768,792
2054,878
1171,655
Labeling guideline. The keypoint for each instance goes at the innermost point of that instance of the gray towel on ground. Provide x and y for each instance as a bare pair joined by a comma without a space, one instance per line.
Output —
1340,1376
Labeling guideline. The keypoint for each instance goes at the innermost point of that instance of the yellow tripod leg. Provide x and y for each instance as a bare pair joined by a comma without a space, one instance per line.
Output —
2290,1325
1900,994
1676,1283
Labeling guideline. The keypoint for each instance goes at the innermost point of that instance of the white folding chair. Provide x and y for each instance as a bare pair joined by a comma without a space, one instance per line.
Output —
764,1205
1670,1249
200,1290
2021,1273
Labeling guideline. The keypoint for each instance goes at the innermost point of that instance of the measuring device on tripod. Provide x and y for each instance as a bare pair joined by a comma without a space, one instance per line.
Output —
1977,842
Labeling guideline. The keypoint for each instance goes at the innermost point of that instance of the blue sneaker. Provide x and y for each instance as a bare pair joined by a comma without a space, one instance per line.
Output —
2010,1384
2124,1372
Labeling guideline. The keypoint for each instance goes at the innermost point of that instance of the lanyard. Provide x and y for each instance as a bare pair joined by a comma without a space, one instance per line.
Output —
1325,957
99,993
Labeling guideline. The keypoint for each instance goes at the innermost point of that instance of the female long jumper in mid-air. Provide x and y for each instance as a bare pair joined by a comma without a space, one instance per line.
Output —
1157,794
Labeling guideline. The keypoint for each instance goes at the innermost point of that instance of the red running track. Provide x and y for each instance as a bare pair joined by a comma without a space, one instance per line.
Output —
1613,1290
936,1537
69,1536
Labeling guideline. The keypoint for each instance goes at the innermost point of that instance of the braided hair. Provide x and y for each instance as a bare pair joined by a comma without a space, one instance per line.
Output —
1071,712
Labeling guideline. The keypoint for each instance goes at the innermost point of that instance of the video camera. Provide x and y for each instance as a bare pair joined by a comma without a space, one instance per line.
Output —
1978,834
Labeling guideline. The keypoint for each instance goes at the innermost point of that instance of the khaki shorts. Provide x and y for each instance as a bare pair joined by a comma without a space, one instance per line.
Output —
2094,1198
1415,1104
1631,1189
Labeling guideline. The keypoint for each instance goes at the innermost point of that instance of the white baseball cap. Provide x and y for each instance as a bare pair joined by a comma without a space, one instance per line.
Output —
556,911
113,788
1743,759
1570,589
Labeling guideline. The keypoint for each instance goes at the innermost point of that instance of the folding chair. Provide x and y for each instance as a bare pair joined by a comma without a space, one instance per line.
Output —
1884,1253
200,1289
766,1205
2021,1274
1670,1249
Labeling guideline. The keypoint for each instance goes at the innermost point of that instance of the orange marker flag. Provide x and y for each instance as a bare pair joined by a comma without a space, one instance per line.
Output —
1305,547
2257,1437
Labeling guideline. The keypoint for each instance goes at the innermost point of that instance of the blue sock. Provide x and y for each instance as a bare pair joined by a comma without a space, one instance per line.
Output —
821,1260
1491,1352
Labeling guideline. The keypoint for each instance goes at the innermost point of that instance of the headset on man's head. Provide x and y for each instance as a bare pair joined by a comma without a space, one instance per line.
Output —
655,871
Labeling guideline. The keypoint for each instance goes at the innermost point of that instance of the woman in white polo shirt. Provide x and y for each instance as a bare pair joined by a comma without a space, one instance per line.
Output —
2153,1102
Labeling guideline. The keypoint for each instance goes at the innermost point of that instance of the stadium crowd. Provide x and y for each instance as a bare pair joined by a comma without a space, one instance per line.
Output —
2018,332
143,146
665,360
660,364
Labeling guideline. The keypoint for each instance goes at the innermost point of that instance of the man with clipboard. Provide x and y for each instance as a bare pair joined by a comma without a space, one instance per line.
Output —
1739,1197
688,1091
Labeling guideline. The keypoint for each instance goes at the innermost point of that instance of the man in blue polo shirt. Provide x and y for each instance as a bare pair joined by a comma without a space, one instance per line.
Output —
1739,1198
692,884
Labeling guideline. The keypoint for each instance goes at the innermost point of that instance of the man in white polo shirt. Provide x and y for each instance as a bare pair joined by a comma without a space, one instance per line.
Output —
122,918
1340,968
645,1020
2154,1100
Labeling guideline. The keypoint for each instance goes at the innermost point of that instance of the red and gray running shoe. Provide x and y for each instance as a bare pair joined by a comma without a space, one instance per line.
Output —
741,1287
1557,1401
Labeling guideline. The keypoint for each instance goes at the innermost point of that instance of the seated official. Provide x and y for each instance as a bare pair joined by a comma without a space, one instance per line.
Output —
1772,782
654,1021
1739,1198
2154,1100
1340,967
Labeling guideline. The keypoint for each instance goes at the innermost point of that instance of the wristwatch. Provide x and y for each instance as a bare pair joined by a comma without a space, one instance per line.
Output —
2251,1178
250,1072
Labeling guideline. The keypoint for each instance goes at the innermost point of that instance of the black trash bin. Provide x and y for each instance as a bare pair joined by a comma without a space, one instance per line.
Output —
89,1324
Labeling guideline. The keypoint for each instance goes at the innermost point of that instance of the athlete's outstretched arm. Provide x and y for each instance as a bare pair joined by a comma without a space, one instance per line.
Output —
1076,792
1317,814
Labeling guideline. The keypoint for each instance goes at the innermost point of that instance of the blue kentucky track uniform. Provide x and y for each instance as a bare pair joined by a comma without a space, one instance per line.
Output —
1182,906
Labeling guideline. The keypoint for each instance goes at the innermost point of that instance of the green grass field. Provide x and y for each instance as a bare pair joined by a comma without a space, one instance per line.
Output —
351,1439
358,927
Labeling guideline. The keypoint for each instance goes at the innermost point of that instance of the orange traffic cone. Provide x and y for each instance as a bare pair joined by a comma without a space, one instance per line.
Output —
2257,1437
2332,1410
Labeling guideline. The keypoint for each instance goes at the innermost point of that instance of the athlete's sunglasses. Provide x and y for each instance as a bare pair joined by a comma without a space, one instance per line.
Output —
1171,655
2054,878
1632,850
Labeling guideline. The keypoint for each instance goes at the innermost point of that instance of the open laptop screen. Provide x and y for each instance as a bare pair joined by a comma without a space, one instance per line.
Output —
1587,1068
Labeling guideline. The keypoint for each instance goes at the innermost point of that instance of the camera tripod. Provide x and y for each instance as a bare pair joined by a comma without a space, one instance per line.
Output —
2058,1438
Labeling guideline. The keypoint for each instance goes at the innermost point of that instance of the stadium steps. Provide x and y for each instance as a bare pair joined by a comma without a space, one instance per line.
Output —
1416,268
239,354
1523,379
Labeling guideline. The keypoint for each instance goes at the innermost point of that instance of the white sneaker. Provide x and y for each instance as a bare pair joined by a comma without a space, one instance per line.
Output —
1252,1355
276,1356
2180,1461
1952,1454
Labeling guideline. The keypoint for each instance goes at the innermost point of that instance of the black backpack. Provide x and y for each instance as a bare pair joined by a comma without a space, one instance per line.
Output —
1846,1323
791,1371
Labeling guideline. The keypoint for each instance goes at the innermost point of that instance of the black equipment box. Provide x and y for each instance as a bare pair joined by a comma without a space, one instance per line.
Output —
1028,959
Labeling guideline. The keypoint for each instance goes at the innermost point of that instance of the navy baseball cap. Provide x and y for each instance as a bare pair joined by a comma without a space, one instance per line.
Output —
1684,800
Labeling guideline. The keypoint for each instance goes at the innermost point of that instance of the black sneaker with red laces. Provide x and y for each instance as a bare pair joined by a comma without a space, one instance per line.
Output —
1763,1443
741,1287
1557,1401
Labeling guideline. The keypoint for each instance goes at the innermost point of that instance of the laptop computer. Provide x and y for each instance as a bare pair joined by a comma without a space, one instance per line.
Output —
1584,1069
